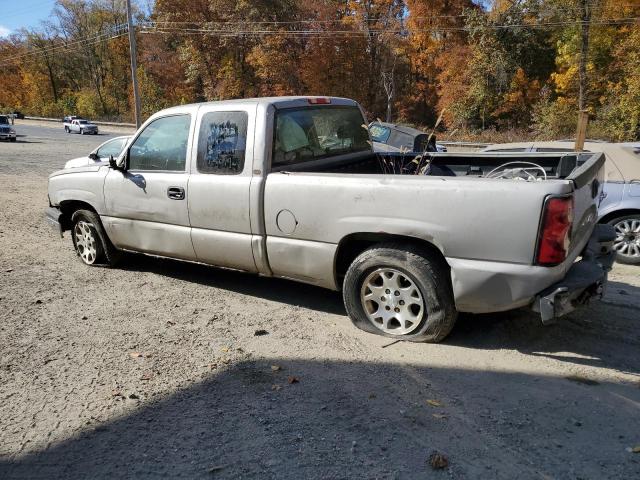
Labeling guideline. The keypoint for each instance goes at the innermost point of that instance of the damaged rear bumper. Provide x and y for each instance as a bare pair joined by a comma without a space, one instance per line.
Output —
586,279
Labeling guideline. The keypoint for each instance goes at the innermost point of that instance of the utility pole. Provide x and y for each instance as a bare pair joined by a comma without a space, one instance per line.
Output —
134,65
585,15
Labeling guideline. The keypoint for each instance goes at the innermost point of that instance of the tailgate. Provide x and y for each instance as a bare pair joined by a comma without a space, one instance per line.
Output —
588,180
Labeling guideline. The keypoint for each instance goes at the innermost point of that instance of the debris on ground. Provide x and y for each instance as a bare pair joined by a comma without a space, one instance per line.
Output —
292,379
434,403
260,333
438,461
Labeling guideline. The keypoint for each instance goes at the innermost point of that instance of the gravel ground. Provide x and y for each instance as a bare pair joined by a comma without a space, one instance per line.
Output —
164,369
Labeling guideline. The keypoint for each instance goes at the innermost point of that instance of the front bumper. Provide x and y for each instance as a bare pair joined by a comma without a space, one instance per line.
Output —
7,136
585,279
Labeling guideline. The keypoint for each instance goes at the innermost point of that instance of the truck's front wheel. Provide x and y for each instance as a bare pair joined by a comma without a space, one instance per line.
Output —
90,240
400,292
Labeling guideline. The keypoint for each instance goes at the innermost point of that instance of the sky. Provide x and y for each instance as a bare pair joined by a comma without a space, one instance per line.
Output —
15,14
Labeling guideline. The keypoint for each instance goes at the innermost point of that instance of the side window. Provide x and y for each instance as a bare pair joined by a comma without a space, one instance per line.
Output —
221,143
114,147
162,145
379,133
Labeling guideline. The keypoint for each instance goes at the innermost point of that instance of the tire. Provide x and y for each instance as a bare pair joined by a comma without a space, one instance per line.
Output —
423,300
627,242
13,139
81,132
66,129
90,241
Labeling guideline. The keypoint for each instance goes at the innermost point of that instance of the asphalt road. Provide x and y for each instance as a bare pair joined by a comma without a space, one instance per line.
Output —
162,369
44,146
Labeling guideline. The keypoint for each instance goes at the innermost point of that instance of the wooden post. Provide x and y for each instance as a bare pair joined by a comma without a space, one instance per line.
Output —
581,133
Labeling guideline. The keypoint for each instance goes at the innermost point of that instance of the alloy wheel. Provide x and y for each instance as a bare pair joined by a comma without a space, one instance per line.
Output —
627,240
85,237
392,301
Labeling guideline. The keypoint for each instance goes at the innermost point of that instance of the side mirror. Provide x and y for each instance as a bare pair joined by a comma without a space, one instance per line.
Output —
113,163
95,157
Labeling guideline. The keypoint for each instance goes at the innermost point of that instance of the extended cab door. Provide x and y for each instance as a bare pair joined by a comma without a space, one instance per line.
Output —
146,206
219,186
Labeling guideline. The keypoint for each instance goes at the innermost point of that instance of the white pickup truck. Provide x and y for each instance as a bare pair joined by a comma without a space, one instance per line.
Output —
81,126
290,187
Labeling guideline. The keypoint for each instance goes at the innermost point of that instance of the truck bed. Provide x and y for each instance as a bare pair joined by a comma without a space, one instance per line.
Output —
556,166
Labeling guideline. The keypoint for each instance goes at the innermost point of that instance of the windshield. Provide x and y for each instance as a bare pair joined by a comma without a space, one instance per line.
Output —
311,133
82,122
4,121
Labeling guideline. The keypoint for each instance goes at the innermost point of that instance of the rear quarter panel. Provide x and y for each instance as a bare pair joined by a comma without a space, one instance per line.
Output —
493,220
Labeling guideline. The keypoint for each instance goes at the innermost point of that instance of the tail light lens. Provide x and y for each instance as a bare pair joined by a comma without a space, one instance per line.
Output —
319,101
555,235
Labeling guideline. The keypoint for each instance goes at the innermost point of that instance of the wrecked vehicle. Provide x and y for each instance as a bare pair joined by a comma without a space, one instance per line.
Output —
391,137
290,187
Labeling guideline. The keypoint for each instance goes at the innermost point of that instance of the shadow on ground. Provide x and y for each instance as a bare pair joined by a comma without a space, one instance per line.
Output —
357,420
279,290
601,335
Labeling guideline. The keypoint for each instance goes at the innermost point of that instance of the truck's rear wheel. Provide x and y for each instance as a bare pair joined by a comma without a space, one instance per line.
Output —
627,242
400,292
66,129
90,240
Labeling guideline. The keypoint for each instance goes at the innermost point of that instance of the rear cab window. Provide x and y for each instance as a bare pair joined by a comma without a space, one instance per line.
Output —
222,143
305,134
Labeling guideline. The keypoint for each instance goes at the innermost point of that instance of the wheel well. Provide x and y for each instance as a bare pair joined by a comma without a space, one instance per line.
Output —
68,207
619,213
353,245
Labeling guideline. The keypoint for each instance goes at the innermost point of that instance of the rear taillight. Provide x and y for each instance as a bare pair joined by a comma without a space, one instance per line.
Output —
555,233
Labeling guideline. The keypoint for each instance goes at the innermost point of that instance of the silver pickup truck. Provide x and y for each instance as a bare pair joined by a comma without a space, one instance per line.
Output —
290,187
81,126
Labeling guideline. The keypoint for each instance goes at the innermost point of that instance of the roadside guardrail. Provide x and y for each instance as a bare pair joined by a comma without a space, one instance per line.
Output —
112,124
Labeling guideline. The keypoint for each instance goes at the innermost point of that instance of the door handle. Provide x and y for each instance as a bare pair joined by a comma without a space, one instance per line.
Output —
175,193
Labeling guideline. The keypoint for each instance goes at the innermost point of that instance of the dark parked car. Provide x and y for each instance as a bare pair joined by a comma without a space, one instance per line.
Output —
6,132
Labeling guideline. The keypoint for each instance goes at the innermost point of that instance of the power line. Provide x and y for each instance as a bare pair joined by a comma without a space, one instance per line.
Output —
117,30
8,62
282,32
152,28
